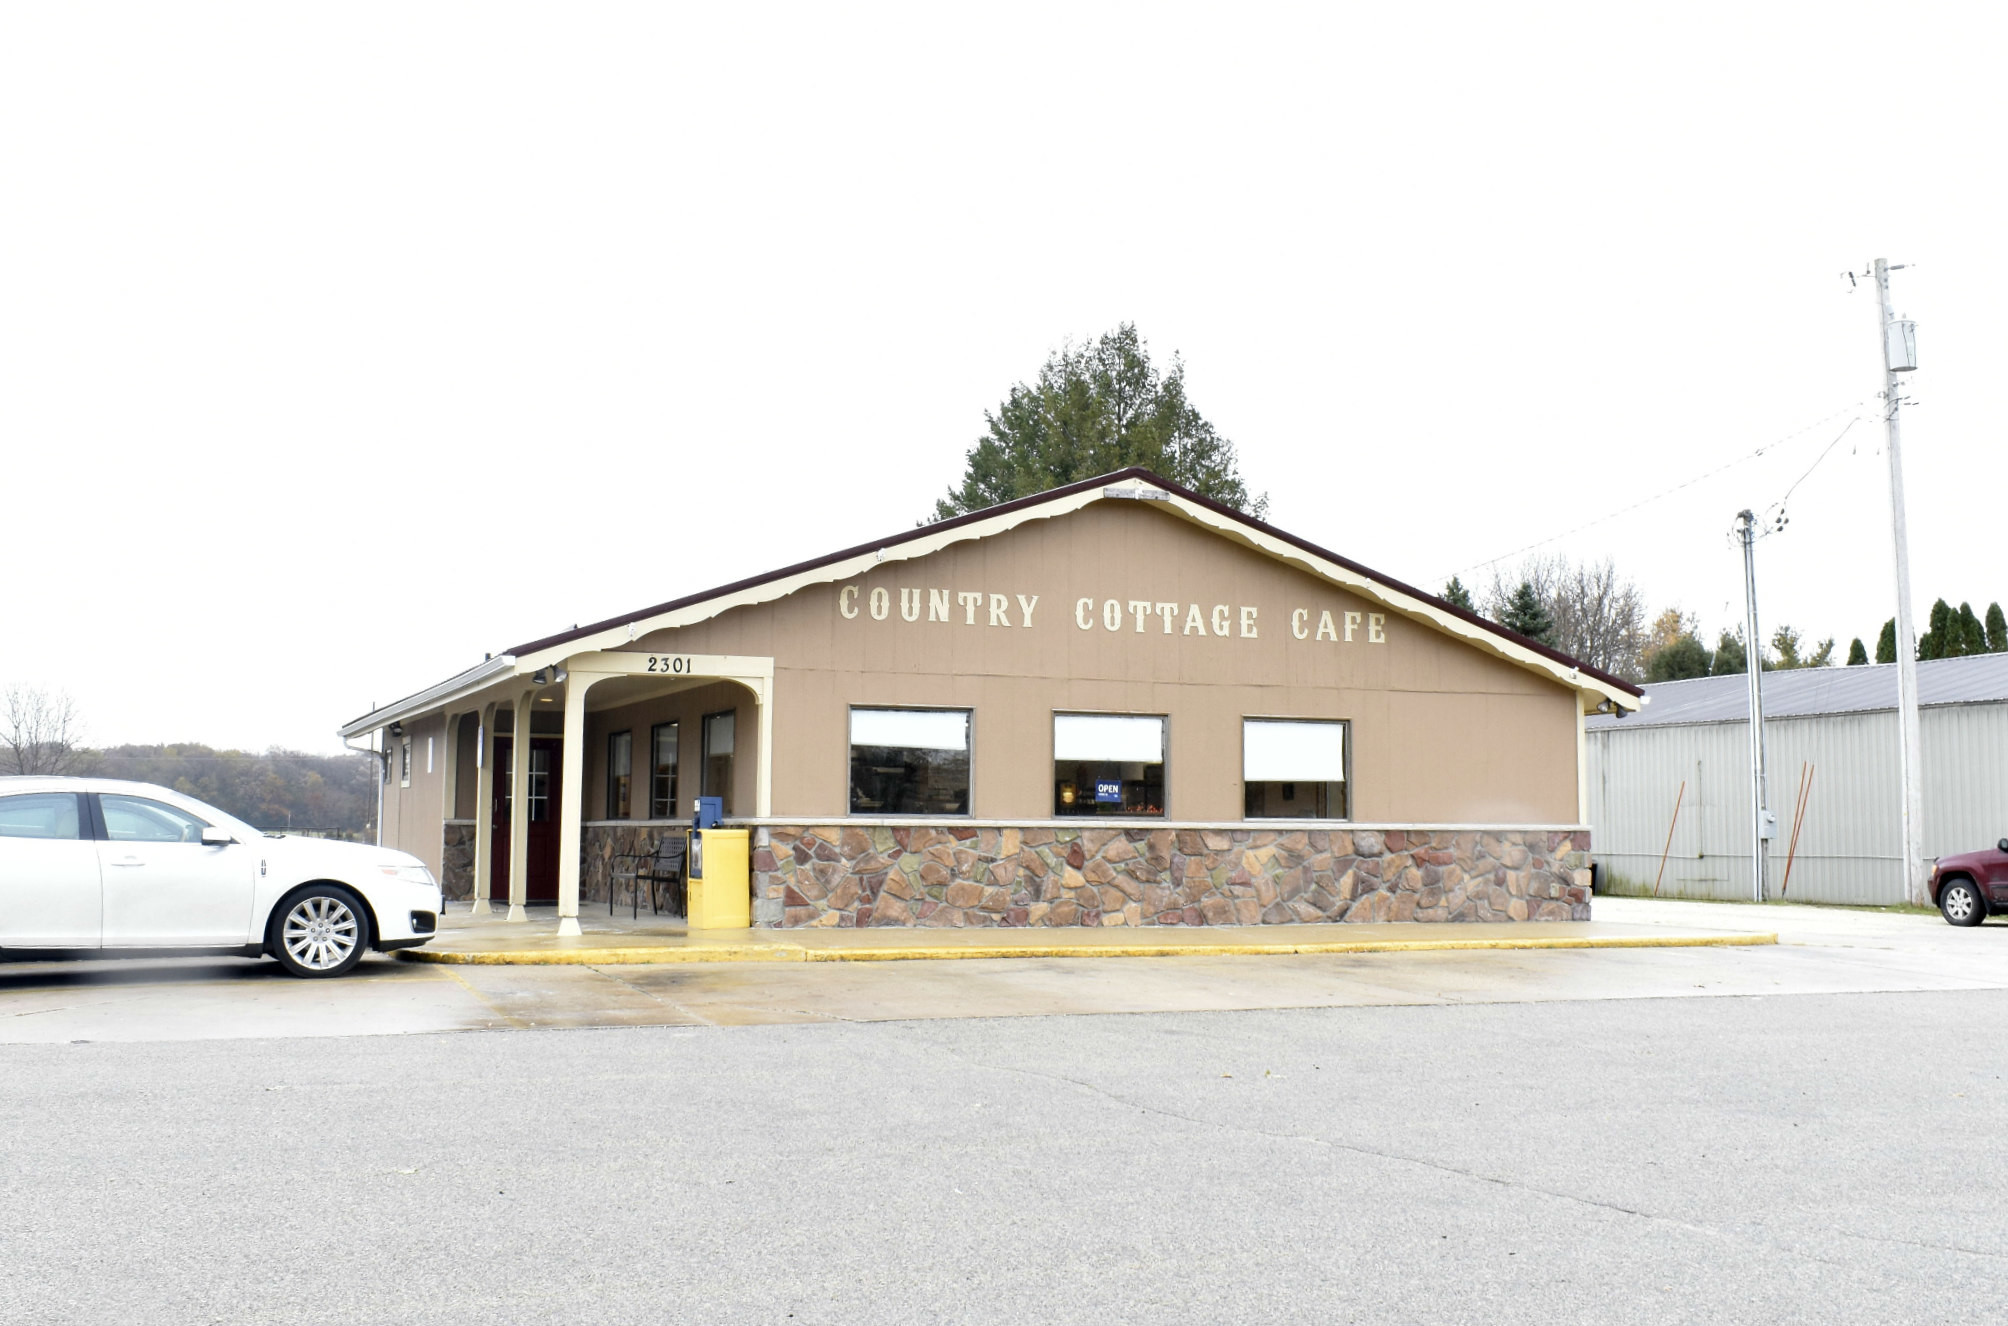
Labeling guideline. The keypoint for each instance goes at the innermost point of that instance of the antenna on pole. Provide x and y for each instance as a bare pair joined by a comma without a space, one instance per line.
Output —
1899,347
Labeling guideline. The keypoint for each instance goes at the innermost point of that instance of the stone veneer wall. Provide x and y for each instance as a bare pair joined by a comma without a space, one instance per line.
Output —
456,874
954,875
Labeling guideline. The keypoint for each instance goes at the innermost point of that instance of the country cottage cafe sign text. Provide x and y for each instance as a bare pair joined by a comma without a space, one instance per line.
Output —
969,607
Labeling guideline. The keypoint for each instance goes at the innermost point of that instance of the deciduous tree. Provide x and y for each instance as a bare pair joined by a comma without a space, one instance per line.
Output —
1786,641
41,732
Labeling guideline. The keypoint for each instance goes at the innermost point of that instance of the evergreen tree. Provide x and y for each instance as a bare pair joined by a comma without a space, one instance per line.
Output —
1685,657
1729,656
1526,614
1972,636
1940,634
1886,643
1857,655
1997,630
1457,594
1095,409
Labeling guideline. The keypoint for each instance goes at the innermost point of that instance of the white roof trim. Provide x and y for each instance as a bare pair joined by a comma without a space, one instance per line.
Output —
476,677
1592,691
1405,604
624,633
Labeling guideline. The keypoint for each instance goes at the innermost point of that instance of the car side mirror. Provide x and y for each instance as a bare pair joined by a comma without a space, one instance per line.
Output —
215,837
2003,844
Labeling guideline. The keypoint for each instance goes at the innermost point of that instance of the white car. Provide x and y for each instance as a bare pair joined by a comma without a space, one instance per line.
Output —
92,863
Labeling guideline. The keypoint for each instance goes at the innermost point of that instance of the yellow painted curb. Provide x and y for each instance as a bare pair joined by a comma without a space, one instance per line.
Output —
639,954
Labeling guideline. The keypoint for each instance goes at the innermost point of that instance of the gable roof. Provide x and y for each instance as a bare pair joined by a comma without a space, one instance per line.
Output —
1133,483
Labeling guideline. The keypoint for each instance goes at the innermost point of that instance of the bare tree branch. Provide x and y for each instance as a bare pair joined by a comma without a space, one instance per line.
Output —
1598,615
40,732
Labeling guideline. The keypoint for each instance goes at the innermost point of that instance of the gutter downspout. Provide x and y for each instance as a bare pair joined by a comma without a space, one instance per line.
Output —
383,775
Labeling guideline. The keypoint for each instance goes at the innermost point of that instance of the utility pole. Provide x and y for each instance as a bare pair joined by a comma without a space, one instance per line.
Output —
1753,657
1899,347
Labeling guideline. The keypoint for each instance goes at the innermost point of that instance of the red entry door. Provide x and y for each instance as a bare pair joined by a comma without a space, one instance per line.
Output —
546,782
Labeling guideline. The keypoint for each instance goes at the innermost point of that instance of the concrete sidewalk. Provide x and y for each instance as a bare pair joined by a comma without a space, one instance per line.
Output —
490,940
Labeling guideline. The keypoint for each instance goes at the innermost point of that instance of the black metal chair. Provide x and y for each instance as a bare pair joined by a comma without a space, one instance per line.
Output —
660,869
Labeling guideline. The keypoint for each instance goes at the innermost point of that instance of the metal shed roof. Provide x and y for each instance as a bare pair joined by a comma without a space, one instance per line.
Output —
1805,692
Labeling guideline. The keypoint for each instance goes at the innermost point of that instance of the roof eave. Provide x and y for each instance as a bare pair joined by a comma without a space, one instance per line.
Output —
432,697
1590,682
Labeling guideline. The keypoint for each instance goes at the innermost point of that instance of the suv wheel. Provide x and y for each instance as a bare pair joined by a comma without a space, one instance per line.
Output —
322,930
1960,902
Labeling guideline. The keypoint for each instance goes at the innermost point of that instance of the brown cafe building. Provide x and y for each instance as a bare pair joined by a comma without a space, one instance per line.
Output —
1114,703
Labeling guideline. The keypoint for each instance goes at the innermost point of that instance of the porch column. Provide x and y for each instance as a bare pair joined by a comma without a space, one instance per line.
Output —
484,810
449,782
1583,762
763,715
571,811
519,806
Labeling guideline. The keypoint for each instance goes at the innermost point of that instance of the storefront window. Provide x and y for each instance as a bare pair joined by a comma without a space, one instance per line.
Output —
662,771
718,758
909,761
1108,764
620,773
1293,769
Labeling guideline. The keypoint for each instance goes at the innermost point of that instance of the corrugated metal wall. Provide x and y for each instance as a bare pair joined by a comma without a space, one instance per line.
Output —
1848,845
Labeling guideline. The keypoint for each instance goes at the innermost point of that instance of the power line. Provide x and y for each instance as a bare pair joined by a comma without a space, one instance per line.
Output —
1775,518
1666,492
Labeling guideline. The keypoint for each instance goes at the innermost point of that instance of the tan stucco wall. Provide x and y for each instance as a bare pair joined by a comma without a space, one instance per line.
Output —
1442,733
687,709
467,787
412,815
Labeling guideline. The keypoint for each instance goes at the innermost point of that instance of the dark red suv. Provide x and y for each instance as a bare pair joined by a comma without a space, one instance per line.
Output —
1968,885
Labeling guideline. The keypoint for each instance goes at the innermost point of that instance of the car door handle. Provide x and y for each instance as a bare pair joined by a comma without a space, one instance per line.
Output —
126,861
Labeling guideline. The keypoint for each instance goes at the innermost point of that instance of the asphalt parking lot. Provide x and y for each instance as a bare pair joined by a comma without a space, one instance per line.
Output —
1798,1133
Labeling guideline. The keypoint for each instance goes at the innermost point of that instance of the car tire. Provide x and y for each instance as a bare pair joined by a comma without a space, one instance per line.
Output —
319,930
1960,903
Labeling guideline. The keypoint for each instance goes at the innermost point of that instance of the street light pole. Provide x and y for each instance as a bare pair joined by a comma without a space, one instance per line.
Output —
1753,658
1899,349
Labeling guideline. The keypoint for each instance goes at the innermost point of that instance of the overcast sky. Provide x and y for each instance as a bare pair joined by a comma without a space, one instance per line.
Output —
341,345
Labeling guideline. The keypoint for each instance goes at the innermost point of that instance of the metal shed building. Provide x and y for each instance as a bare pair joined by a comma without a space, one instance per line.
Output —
1836,728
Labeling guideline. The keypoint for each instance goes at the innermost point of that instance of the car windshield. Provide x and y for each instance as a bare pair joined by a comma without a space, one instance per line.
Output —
202,810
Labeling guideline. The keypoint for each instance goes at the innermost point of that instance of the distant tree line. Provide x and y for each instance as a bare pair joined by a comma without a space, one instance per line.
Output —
1952,633
42,733
276,790
1591,612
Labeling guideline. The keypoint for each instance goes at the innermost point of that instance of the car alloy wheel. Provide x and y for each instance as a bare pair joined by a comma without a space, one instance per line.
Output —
321,934
1960,902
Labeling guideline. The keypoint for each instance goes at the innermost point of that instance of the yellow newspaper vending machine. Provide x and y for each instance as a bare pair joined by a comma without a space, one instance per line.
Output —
720,895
